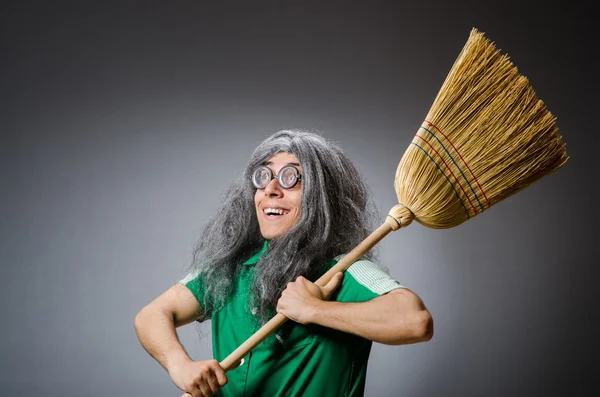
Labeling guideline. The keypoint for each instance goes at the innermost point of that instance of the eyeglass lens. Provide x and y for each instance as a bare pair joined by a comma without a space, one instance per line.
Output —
287,178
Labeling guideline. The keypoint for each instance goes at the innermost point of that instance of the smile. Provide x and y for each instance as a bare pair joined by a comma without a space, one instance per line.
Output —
274,211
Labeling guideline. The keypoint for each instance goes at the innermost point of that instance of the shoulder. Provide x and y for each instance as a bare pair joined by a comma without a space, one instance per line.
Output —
372,276
364,280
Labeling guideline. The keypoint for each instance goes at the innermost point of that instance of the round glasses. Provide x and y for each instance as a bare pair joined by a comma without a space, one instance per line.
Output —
288,177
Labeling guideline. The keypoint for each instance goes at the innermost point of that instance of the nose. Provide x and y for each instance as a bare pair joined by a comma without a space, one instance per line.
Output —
273,189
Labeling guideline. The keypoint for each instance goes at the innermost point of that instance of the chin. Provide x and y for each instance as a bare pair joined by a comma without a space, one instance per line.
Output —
271,234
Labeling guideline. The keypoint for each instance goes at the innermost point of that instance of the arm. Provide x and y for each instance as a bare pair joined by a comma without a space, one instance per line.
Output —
155,327
398,317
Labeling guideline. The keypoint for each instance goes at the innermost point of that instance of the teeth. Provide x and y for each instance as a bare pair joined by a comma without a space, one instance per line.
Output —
270,211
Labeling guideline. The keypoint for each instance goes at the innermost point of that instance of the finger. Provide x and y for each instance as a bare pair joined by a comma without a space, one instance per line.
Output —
288,287
205,389
220,374
213,383
332,284
193,392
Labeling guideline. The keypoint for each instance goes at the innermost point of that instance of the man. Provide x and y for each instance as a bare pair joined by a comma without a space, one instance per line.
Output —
299,205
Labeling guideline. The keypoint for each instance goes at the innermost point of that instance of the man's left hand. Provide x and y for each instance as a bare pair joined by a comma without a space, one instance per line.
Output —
302,298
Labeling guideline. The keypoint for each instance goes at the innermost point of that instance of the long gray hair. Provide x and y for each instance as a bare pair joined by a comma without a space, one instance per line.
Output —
336,214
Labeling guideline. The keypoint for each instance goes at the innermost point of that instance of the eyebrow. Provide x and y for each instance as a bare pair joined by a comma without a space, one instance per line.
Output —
271,163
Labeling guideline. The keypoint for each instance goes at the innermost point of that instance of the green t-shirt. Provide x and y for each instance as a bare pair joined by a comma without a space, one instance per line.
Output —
297,360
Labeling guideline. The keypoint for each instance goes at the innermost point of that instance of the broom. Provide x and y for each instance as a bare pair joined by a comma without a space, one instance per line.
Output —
486,137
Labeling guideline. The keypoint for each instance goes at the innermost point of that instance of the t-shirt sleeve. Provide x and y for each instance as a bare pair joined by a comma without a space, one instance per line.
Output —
194,283
363,281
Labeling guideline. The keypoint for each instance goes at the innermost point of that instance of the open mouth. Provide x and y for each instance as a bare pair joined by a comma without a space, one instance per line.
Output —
272,212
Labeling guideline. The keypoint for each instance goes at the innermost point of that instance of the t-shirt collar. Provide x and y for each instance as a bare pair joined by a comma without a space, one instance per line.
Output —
254,258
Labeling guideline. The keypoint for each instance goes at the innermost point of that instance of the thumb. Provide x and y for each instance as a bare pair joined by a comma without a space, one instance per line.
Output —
332,284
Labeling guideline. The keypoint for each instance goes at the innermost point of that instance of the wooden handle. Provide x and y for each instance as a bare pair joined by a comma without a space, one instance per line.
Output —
279,319
392,222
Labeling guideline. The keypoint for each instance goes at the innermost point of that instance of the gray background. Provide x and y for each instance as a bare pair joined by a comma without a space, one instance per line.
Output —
123,122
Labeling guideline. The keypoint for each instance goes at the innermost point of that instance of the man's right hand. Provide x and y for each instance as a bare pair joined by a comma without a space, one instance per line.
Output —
199,378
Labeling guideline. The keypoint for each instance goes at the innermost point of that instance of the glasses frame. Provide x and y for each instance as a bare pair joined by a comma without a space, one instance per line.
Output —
273,176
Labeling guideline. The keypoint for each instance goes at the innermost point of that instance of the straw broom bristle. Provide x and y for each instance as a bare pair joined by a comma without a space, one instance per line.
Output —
486,137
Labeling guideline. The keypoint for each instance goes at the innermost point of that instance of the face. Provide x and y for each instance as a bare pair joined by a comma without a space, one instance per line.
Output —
278,209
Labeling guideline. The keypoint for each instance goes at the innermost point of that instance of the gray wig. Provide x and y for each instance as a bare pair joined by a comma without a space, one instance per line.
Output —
336,214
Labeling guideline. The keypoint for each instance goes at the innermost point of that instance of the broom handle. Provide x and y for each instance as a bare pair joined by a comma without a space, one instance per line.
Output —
279,319
391,223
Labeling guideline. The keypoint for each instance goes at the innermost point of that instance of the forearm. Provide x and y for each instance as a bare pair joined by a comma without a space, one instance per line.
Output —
157,334
393,319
